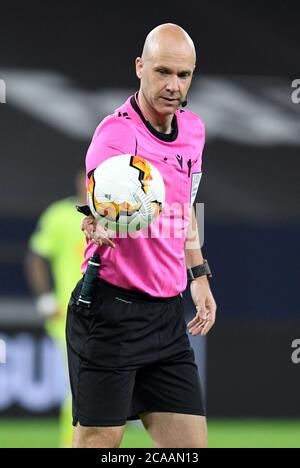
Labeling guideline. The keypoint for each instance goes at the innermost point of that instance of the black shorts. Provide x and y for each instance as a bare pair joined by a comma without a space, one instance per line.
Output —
129,354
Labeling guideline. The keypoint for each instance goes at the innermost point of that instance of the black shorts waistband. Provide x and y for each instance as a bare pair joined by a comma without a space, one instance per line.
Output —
134,295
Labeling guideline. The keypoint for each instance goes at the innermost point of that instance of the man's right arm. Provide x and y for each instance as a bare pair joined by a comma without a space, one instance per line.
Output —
114,136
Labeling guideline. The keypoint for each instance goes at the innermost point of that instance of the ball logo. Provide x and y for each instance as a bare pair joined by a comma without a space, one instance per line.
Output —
144,169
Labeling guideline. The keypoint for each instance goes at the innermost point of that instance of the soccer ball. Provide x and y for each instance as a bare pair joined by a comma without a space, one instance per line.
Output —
126,193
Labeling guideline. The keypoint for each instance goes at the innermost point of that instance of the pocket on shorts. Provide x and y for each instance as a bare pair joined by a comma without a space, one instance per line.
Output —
81,310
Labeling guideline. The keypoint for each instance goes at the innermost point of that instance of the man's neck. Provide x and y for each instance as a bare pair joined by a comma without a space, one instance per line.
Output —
161,123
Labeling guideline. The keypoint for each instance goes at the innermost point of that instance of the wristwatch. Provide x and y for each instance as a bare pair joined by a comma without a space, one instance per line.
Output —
199,270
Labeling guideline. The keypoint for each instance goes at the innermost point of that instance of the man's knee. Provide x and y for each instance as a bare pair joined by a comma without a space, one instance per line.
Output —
97,437
174,430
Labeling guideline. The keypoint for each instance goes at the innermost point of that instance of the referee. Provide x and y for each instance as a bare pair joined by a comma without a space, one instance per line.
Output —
129,353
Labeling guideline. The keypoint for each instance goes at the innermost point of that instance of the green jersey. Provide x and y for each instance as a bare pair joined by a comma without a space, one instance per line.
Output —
59,239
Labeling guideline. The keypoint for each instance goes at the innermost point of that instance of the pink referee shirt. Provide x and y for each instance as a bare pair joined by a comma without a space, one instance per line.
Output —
153,261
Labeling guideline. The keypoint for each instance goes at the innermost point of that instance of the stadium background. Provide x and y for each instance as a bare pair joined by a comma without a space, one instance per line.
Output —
68,64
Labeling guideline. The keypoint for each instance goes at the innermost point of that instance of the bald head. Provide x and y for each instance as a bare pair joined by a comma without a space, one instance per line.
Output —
168,39
165,71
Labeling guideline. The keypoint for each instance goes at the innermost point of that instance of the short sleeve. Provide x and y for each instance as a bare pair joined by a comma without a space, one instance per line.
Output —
196,172
114,136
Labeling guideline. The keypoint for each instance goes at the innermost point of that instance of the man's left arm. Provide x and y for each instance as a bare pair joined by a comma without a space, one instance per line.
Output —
200,289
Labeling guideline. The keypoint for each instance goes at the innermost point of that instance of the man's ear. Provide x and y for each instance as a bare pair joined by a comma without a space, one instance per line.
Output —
139,67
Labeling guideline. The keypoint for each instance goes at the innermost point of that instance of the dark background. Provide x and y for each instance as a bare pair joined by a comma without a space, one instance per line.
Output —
250,189
231,36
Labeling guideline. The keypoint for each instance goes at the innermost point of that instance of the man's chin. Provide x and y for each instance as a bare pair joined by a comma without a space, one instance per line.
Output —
167,109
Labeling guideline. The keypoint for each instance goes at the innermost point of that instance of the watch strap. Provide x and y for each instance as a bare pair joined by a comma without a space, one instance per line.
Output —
198,271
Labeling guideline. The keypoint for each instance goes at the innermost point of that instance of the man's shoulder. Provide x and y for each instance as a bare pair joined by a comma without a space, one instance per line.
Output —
120,119
190,117
59,207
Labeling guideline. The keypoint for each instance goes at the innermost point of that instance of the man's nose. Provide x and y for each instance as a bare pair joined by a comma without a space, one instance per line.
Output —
173,84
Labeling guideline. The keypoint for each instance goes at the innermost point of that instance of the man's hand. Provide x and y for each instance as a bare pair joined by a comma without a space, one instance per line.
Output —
205,305
95,232
47,306
58,313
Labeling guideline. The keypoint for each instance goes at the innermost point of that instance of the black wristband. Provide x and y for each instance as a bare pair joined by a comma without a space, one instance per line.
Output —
198,271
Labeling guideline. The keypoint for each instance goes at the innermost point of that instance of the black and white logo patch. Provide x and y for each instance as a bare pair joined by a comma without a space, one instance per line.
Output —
196,178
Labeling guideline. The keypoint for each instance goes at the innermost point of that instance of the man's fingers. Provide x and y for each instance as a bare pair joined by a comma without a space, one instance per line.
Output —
96,233
202,312
197,328
206,328
87,221
192,322
109,242
88,229
201,324
202,328
97,240
195,324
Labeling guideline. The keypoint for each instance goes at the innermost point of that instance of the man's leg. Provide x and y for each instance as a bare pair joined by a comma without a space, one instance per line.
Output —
176,430
97,437
65,423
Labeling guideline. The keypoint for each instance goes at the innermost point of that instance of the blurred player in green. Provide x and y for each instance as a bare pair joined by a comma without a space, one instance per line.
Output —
53,266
